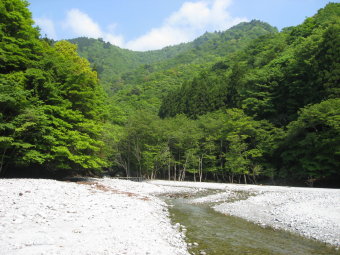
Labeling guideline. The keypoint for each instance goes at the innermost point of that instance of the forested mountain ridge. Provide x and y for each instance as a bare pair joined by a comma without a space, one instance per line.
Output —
116,66
111,62
210,46
241,105
270,109
272,78
145,86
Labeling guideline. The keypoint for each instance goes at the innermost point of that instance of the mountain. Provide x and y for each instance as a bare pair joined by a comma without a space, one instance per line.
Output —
111,61
272,78
115,65
246,104
211,46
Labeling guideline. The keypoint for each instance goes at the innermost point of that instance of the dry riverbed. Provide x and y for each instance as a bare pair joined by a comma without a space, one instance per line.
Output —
110,216
107,217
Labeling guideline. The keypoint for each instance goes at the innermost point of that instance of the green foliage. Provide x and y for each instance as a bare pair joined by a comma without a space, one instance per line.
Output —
139,80
225,144
18,39
52,107
227,98
233,105
311,149
115,65
272,78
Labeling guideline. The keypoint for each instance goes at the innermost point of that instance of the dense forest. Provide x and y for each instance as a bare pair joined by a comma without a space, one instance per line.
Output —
244,105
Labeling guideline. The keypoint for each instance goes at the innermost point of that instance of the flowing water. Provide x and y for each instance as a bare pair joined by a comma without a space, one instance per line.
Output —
219,234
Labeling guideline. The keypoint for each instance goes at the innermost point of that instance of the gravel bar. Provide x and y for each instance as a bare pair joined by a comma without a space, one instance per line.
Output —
104,217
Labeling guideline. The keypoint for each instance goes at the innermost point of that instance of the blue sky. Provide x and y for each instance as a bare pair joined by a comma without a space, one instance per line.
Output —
154,24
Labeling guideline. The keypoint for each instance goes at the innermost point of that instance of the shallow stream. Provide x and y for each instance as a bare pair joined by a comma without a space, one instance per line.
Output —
216,233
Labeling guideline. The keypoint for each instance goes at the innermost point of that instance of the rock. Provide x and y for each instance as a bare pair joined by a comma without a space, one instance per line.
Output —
177,226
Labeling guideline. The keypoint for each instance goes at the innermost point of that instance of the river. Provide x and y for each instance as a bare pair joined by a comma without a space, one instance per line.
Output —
216,233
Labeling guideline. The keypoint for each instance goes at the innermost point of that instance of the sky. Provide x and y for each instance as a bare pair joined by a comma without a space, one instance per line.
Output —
153,24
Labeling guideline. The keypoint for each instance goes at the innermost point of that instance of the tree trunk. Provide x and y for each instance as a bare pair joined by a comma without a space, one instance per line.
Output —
128,162
128,167
184,169
153,175
221,154
183,175
200,168
169,168
175,172
2,161
254,178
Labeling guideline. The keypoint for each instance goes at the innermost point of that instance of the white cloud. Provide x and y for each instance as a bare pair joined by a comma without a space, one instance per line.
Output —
158,38
117,40
184,25
47,27
82,25
189,22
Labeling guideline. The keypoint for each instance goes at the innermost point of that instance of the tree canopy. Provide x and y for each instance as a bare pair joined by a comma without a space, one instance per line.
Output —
241,105
52,106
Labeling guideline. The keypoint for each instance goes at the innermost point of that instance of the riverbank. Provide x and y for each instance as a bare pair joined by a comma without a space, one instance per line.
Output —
311,212
106,217
109,216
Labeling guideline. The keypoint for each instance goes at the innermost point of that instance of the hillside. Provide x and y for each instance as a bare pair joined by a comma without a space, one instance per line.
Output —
111,61
272,78
270,109
116,66
242,105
